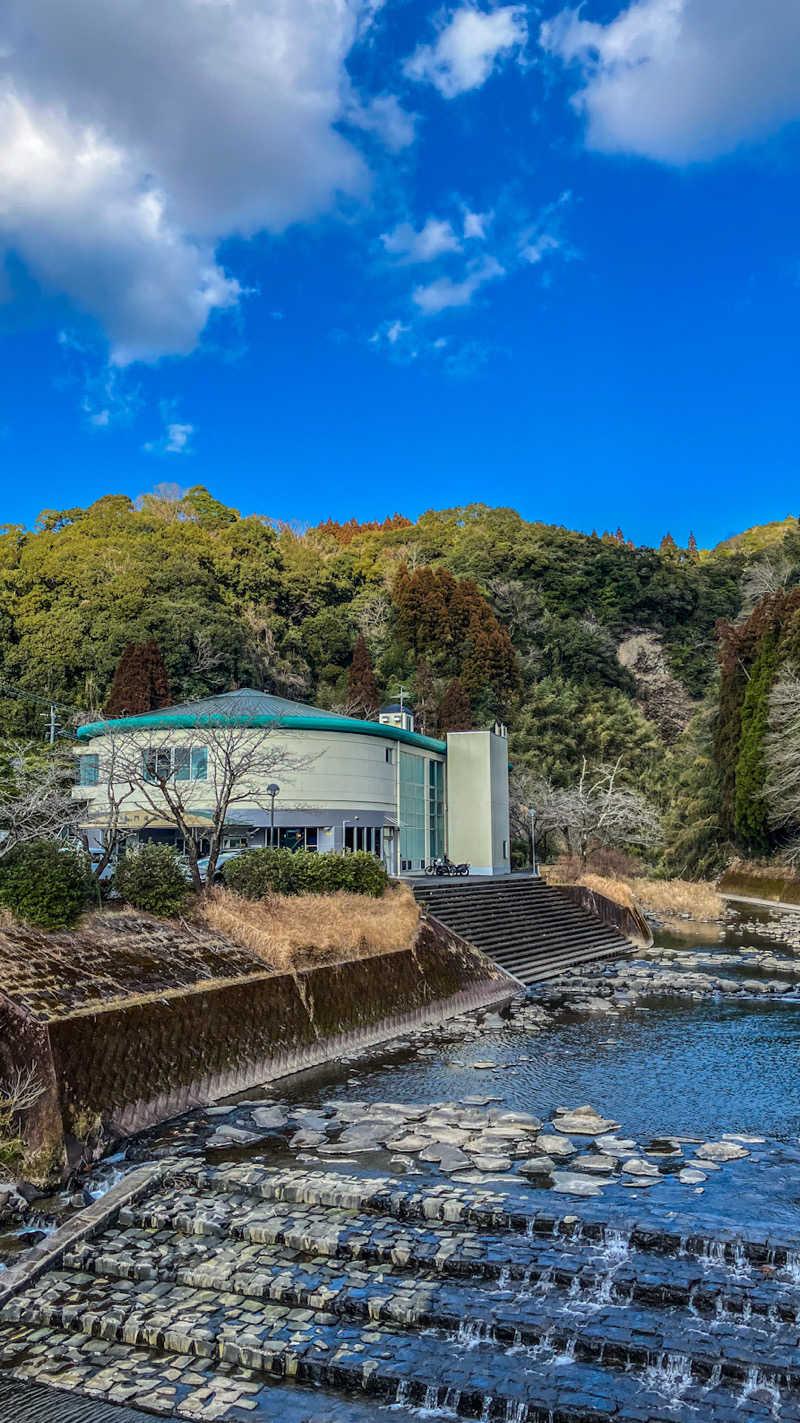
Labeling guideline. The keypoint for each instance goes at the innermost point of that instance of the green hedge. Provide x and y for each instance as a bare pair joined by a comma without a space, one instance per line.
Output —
259,873
151,878
46,882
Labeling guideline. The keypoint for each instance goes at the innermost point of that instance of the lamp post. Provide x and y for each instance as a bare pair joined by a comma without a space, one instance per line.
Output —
533,842
272,791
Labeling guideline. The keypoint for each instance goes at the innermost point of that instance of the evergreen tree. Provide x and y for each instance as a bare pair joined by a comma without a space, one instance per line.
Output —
362,687
750,810
692,549
455,709
426,717
141,682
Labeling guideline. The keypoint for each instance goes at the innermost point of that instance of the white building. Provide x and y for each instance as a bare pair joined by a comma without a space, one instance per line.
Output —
377,786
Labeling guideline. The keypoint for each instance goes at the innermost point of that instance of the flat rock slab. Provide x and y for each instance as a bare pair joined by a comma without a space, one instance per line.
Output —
580,1124
269,1118
721,1151
233,1136
635,1167
596,1163
536,1166
492,1163
555,1146
569,1183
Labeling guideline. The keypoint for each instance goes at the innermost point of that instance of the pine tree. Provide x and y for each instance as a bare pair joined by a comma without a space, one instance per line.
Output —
362,687
141,682
692,549
668,544
455,709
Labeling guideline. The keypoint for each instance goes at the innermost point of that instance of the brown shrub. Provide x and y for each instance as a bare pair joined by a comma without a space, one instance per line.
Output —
299,931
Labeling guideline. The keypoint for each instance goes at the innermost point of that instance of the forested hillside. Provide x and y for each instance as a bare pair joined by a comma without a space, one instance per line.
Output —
585,645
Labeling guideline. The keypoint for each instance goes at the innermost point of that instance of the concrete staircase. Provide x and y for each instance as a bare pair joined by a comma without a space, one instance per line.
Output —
530,929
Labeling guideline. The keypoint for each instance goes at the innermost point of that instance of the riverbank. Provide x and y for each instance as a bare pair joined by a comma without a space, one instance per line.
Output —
583,1205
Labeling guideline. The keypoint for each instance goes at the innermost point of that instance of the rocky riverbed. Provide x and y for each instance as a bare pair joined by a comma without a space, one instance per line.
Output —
582,1209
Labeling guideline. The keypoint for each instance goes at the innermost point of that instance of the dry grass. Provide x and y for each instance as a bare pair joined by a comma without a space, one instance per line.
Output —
293,932
699,899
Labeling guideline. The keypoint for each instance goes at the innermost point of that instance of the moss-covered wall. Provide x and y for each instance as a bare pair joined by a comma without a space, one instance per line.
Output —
761,886
142,1061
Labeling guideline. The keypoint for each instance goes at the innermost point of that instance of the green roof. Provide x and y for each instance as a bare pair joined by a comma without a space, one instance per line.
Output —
249,708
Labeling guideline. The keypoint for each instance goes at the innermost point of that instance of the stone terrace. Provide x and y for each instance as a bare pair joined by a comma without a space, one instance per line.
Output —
224,1286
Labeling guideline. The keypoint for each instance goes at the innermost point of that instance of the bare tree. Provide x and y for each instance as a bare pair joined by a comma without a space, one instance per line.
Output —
228,764
18,1094
782,753
35,794
765,575
597,811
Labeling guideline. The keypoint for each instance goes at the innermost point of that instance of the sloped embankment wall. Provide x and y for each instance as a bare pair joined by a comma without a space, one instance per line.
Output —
136,1061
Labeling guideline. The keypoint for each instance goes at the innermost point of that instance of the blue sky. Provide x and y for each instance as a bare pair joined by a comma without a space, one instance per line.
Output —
342,257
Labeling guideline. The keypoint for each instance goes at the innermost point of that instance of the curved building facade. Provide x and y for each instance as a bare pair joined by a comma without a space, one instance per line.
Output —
325,782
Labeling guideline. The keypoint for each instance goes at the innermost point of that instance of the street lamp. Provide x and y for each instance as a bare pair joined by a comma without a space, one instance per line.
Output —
533,842
272,791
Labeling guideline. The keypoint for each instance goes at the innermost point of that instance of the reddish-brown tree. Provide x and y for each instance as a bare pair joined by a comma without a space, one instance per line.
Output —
362,687
141,682
455,709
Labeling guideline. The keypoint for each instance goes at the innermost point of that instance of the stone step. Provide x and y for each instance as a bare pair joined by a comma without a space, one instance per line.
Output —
186,1386
525,925
269,1247
479,1207
598,1327
479,1379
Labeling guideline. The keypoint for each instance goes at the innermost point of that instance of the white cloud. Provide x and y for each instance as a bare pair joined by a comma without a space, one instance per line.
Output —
682,80
467,48
176,439
132,146
387,119
443,292
476,223
433,239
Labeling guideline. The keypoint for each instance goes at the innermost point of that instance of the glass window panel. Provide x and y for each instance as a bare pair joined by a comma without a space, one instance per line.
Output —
412,809
348,837
311,837
199,763
181,763
89,770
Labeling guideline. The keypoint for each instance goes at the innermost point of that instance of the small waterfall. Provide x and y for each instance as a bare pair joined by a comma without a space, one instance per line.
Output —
790,1270
671,1376
430,1403
566,1356
516,1412
401,1398
756,1382
475,1331
486,1411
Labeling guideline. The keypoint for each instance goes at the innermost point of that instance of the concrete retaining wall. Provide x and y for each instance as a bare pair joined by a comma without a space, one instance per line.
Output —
137,1062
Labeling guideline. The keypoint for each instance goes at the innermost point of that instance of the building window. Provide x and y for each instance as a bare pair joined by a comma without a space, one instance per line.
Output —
199,763
436,807
179,763
89,769
390,755
412,810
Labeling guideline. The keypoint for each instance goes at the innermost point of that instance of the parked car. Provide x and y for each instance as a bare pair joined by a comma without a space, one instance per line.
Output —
222,859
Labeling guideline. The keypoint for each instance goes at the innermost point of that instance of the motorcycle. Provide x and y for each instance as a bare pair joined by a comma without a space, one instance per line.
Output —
442,866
